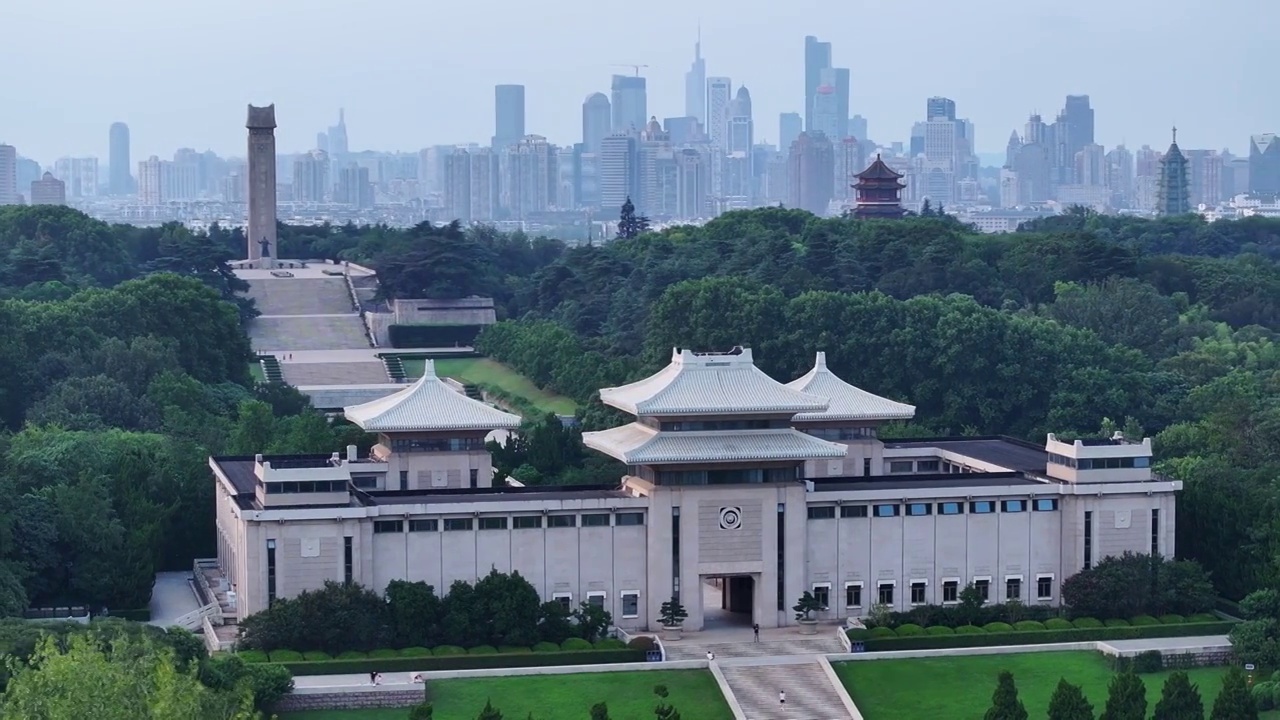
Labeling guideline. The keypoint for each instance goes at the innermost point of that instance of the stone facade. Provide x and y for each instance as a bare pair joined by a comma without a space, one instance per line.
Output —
261,124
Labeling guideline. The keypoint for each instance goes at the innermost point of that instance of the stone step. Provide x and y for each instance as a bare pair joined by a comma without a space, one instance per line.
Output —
301,296
351,373
691,649
325,332
810,695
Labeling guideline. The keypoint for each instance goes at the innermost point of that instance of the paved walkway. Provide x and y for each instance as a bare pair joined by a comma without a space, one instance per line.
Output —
172,598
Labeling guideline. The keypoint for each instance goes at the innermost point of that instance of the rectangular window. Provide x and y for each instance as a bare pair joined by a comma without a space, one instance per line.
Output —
1013,588
919,592
526,522
822,512
475,478
565,600
822,593
983,586
630,604
388,526
950,508
271,572
866,467
346,560
888,510
927,466
950,591
451,524
675,551
425,525
1013,506
853,511
628,519
900,466
1088,539
1045,504
404,480
853,595
782,557
1142,462
982,507
1044,587
596,599
595,520
561,521
885,594
1155,532
918,509
493,523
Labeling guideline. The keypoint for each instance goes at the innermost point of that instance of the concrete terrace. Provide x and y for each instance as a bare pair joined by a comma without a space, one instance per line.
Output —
302,374
310,310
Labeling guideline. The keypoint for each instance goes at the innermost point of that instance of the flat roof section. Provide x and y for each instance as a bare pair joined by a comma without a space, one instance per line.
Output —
1003,451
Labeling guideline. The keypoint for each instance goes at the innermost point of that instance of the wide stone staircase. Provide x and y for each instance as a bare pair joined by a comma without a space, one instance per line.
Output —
299,314
691,649
347,373
810,693
301,296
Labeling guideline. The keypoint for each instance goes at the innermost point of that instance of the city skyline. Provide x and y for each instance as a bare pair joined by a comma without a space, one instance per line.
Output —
389,107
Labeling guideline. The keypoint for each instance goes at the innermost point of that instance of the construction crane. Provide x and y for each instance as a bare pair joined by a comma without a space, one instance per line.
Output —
630,65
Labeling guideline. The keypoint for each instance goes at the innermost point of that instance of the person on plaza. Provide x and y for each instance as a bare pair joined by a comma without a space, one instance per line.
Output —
710,656
756,629
782,697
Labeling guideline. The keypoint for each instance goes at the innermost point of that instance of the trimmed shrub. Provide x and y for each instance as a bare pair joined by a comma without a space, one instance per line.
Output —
609,644
909,630
1148,661
353,655
1028,626
856,634
465,662
939,630
976,637
383,653
316,655
285,656
1087,623
1116,623
406,652
420,336
1175,620
643,643
447,651
883,632
1141,620
575,644
252,656
1203,617
997,627
1057,624
139,615
483,650
969,630
547,647
511,649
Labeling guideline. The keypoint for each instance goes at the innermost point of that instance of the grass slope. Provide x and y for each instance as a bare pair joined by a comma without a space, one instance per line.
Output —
255,371
559,697
959,688
483,371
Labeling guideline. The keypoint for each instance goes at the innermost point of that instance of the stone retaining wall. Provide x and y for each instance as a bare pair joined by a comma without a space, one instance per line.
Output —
352,699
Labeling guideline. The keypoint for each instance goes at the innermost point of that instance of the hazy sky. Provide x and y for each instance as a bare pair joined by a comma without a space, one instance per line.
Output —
413,73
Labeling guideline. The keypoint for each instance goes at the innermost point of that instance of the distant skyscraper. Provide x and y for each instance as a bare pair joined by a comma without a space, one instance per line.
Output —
839,78
741,135
826,110
695,82
80,176
150,187
457,186
858,127
811,173
311,177
719,95
508,115
817,57
619,171
597,121
683,130
790,125
1173,185
354,187
8,175
48,190
261,233
940,107
532,179
630,103
1264,164
692,184
121,182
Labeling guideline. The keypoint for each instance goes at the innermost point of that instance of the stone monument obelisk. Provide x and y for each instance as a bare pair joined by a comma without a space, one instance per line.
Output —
261,232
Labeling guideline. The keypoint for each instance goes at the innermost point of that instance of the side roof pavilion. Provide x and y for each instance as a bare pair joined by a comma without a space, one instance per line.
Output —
429,405
845,402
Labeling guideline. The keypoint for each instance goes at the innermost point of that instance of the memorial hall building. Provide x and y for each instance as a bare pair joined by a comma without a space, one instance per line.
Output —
736,481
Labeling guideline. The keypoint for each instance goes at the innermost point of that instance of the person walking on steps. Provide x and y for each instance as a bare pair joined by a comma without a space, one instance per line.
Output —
710,656
756,629
782,697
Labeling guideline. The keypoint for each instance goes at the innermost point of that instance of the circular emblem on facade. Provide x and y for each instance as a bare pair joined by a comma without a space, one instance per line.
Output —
730,518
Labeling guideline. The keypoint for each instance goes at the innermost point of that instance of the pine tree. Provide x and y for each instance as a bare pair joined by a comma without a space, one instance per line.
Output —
489,712
1069,703
631,225
1179,700
1126,698
1234,702
1005,704
421,711
600,711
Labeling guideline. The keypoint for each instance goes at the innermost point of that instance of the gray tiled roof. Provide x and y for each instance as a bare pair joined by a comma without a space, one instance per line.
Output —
636,444
846,402
709,384
429,404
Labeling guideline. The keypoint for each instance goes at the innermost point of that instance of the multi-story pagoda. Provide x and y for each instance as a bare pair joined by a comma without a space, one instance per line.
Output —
879,192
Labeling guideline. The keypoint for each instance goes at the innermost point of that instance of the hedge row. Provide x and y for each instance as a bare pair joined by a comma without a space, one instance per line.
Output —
464,662
995,634
290,656
432,336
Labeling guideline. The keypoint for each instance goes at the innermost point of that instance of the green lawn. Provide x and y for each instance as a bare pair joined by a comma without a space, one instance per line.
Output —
959,688
255,371
559,697
483,371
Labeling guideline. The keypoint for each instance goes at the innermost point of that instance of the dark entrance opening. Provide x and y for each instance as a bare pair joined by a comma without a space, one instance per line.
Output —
728,601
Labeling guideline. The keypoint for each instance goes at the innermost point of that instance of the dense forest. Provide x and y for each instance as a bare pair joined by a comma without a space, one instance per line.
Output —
124,362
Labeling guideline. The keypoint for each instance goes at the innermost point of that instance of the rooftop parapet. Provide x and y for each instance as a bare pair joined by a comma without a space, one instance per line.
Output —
1088,460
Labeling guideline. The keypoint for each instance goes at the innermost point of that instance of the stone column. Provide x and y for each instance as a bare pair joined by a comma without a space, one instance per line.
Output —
262,185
